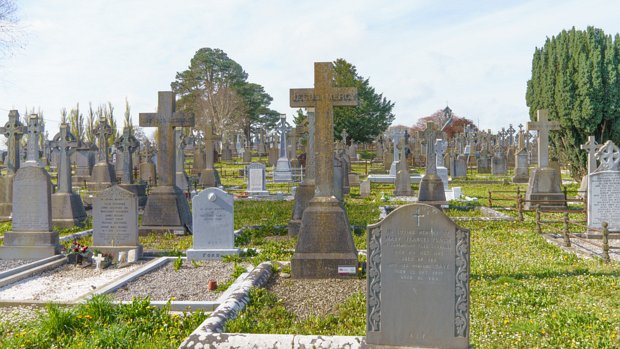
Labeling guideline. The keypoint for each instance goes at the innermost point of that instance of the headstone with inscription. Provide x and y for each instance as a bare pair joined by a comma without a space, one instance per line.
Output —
256,179
32,236
604,191
418,281
213,233
115,221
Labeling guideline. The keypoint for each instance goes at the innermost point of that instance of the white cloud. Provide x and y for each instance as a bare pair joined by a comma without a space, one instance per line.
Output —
420,54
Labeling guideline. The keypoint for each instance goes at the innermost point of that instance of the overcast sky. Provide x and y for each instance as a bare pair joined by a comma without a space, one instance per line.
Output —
473,55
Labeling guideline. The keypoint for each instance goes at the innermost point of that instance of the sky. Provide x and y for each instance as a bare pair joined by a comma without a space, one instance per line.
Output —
474,56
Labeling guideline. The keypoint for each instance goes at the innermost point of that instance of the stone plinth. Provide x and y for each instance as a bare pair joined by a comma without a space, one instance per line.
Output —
283,171
431,189
303,194
326,243
67,210
544,184
209,177
166,210
442,172
103,177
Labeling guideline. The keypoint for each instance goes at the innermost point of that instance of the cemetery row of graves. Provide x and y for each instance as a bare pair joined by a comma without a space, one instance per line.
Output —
429,241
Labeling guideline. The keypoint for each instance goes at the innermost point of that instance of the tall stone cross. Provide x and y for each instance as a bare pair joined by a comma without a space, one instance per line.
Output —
34,130
430,137
103,131
210,139
166,119
323,97
149,151
13,130
591,146
283,128
511,131
543,126
64,141
127,144
344,135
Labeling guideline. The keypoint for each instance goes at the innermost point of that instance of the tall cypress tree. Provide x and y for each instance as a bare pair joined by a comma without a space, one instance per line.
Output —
575,75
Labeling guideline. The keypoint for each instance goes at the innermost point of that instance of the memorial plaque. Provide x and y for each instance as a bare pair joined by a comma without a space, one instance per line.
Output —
604,200
213,217
115,218
418,280
256,178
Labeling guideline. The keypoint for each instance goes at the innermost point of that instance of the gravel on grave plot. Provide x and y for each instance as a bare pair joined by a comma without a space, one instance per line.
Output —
306,297
65,283
13,263
186,284
15,315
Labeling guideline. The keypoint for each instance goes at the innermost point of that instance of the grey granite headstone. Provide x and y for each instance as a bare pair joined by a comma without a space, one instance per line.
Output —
418,281
256,179
115,221
213,217
365,189
604,189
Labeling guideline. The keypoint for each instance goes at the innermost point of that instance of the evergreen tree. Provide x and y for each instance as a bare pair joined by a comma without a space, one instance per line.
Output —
575,76
371,117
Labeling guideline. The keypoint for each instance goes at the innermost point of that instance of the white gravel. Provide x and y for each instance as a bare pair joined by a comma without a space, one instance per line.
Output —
63,284
189,283
13,263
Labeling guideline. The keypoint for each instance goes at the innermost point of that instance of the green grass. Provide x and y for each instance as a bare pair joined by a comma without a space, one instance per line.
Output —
101,324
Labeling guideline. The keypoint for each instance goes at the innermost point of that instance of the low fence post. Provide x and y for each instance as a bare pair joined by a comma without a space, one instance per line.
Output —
538,227
490,200
566,231
520,207
606,258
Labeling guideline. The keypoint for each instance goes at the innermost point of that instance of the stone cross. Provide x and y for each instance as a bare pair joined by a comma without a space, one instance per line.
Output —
98,260
609,157
64,141
395,140
149,151
103,131
283,130
440,148
591,146
166,119
127,144
543,126
210,139
344,135
13,130
34,130
323,97
430,137
511,131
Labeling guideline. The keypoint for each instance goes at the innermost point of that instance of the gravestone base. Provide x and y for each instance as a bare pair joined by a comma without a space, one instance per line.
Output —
544,184
148,173
283,171
209,177
166,210
6,197
432,190
30,245
247,156
521,176
325,242
393,168
303,194
442,172
403,184
102,178
139,190
114,250
210,254
67,210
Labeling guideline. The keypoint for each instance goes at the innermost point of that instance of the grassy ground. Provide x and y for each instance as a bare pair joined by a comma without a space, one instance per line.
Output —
525,293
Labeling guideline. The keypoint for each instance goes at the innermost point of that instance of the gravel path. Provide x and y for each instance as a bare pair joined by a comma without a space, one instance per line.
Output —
13,316
13,263
318,297
65,283
187,284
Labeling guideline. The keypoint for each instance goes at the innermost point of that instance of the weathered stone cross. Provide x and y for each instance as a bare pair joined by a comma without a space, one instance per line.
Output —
543,126
166,119
323,97
103,131
13,130
429,138
128,144
34,130
63,142
591,146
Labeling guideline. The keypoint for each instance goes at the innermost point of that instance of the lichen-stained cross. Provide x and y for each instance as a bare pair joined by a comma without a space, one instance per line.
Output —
609,157
35,128
103,131
13,130
127,143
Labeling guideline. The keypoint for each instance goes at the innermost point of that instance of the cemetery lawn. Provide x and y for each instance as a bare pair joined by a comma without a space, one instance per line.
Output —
101,324
525,293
